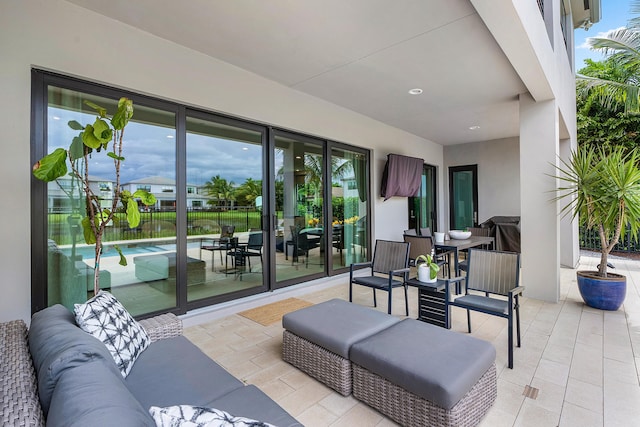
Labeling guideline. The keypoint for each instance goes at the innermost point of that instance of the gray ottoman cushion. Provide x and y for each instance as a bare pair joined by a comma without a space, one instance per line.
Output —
176,372
251,402
336,324
434,363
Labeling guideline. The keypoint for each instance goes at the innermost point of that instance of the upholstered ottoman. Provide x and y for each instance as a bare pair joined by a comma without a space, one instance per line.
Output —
317,339
161,269
422,375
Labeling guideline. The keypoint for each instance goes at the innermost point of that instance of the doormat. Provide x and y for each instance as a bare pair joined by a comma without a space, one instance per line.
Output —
271,313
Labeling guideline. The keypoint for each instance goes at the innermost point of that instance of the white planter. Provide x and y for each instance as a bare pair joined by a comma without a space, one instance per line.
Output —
439,237
423,274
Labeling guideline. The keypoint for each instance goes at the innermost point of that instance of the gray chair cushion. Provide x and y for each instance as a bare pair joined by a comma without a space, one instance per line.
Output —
377,282
175,372
336,324
434,363
91,395
251,402
483,303
56,344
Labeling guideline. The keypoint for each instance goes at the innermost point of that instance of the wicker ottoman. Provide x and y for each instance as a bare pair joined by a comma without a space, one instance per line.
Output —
317,339
422,375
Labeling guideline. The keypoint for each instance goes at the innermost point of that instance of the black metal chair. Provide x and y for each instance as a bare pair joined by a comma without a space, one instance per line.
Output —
421,245
225,242
301,244
242,253
475,231
492,273
390,260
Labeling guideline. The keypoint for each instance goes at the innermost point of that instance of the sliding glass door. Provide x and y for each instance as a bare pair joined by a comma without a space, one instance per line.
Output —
299,233
224,208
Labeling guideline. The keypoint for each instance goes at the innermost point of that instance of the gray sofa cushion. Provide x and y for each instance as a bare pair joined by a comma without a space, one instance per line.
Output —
336,324
90,394
176,372
251,402
434,363
56,344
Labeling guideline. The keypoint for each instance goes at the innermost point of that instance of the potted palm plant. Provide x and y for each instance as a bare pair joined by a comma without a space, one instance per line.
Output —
602,190
105,136
427,268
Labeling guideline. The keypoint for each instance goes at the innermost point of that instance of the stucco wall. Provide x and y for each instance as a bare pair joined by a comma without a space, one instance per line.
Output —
498,175
56,35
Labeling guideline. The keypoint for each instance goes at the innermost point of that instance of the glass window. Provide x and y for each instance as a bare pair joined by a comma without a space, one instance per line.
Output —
147,282
300,242
224,227
349,207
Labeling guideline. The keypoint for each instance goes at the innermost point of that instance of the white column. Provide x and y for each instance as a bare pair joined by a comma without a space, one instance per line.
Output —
569,244
539,226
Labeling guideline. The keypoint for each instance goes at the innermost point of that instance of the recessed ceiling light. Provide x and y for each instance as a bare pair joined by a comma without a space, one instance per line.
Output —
170,136
474,127
56,118
245,149
298,157
416,91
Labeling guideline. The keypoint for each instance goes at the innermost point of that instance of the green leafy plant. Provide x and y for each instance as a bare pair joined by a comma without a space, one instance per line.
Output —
104,135
428,261
602,190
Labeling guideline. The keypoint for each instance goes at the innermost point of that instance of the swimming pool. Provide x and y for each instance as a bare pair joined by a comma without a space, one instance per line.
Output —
87,252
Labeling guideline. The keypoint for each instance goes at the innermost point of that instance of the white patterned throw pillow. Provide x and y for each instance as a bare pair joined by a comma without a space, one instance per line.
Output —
196,416
106,319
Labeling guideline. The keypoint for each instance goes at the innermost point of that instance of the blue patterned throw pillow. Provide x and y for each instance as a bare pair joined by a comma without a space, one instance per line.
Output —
196,416
106,319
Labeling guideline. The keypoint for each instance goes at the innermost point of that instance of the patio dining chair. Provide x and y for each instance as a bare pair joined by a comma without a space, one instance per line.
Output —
421,245
223,243
389,269
496,275
475,231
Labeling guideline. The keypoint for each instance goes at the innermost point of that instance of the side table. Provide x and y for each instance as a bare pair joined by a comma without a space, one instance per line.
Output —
432,307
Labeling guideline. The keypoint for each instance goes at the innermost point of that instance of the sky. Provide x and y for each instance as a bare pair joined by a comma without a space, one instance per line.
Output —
615,14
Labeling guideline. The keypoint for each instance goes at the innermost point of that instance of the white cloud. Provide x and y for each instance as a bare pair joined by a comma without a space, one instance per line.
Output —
585,44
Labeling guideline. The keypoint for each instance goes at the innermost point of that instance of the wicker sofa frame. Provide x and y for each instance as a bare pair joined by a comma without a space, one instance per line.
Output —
20,401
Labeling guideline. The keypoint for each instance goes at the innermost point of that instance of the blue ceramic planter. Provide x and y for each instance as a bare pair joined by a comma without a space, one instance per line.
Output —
602,293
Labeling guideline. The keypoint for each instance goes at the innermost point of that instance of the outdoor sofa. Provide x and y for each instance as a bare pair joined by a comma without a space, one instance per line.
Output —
59,374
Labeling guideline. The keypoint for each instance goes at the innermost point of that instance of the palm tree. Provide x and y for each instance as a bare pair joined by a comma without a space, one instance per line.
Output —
250,190
623,48
221,189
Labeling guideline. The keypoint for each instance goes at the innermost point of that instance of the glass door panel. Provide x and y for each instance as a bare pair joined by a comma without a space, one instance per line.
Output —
349,208
147,283
299,232
422,208
463,196
225,250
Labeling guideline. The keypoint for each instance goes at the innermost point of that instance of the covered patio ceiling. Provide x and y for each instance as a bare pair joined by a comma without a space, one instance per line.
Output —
364,55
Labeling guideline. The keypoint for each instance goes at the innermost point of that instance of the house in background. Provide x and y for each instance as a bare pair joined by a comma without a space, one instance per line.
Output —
484,83
164,190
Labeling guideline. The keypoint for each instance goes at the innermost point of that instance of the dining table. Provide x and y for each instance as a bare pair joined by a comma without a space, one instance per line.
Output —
456,245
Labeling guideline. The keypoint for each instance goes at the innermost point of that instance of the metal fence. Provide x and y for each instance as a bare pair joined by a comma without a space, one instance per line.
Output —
589,239
162,223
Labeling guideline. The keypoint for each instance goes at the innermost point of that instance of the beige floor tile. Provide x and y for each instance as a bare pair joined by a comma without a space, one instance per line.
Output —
550,395
304,398
317,416
621,372
621,403
360,415
585,395
587,364
338,404
497,418
510,397
576,416
532,415
552,372
277,389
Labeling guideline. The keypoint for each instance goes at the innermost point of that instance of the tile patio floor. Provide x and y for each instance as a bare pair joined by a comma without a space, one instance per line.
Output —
584,362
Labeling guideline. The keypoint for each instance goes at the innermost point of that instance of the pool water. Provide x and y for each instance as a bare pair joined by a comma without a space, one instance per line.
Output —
87,252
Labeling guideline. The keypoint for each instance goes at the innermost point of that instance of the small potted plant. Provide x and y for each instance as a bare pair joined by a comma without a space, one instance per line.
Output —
602,190
427,268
